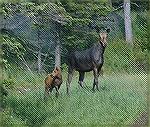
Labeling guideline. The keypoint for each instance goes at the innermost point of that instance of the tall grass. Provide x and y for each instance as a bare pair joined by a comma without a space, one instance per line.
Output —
29,108
120,99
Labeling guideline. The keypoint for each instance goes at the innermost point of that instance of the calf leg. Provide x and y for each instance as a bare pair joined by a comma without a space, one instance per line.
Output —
95,72
50,89
46,90
46,94
81,78
69,79
57,92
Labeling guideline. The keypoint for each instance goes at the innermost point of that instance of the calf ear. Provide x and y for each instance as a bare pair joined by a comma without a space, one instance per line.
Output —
108,30
58,68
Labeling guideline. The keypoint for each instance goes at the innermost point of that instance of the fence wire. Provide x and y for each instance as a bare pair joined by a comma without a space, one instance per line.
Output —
28,46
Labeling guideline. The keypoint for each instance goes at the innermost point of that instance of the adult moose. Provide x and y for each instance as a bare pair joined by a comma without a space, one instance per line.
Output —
88,60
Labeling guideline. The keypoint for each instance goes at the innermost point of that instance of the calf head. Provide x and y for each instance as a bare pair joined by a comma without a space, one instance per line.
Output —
55,72
102,35
52,80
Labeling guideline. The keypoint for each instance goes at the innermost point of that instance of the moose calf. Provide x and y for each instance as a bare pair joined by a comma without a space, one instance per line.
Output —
53,80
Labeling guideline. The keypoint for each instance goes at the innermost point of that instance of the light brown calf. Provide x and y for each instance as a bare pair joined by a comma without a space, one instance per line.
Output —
53,80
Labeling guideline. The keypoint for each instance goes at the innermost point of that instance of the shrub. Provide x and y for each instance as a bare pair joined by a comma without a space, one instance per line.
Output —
4,85
118,57
121,57
9,83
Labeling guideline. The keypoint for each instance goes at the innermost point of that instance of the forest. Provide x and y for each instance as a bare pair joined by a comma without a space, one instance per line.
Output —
38,35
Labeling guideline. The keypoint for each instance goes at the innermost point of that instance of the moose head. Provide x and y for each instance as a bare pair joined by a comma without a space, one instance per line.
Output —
103,32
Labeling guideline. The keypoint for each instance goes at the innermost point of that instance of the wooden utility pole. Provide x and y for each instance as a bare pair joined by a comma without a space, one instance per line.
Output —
127,22
57,49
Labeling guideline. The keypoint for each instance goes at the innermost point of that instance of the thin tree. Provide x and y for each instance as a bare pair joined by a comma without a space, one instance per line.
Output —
127,21
110,3
57,48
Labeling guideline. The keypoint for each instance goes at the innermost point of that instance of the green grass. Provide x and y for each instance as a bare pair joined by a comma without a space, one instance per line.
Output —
119,102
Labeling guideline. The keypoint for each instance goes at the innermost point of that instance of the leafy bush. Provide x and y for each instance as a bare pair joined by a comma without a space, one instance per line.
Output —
121,57
140,26
9,83
141,56
3,94
4,85
118,57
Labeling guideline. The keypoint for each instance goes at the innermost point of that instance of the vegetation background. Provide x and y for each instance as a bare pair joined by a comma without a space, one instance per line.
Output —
36,35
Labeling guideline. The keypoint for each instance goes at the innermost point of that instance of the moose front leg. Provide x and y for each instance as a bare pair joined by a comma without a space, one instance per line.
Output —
100,71
95,72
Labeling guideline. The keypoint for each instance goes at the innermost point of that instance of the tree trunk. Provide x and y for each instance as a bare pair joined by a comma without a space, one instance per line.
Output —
148,27
57,52
127,21
25,63
110,3
57,49
39,62
2,67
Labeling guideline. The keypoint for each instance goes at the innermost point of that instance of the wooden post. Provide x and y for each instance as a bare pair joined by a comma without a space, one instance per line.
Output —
127,21
57,49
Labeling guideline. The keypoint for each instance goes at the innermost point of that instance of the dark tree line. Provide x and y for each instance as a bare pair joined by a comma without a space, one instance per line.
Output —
37,33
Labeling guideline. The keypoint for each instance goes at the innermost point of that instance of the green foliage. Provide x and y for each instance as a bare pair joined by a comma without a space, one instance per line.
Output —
5,84
79,40
42,16
78,34
148,28
121,57
140,26
85,8
118,57
3,94
9,83
12,48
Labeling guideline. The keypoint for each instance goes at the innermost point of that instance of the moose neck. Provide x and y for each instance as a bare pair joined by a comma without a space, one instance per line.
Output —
99,47
101,44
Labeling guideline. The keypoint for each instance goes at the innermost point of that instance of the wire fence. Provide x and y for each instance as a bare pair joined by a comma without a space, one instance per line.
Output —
29,47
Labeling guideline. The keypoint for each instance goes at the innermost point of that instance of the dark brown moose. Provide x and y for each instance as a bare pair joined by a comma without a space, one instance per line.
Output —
91,59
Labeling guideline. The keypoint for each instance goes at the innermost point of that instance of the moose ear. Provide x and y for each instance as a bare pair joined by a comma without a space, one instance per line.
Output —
108,30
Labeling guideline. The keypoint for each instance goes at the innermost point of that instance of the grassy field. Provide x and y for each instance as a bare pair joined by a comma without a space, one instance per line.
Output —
120,101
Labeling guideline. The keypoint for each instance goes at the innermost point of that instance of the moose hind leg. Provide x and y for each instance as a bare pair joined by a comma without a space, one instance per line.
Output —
81,78
69,79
